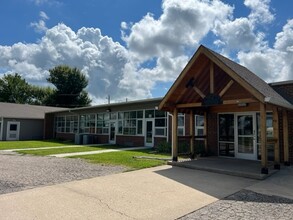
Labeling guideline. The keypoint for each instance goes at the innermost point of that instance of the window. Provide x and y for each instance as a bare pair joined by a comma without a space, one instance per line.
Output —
103,122
60,124
87,123
71,124
226,135
181,125
160,123
130,123
199,125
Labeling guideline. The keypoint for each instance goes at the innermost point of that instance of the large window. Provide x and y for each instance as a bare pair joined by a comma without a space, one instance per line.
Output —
66,124
87,123
71,124
160,123
226,135
103,122
60,124
132,123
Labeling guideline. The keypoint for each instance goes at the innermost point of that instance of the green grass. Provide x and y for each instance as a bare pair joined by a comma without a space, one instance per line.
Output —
46,152
5,145
125,158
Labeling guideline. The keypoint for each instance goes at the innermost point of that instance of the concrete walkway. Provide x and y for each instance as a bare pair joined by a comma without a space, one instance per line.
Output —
56,147
98,152
157,193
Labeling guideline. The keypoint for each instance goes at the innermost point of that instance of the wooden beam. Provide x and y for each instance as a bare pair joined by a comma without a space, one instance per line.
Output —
175,135
212,78
189,105
276,138
235,76
263,139
199,92
225,89
237,101
191,133
286,138
205,131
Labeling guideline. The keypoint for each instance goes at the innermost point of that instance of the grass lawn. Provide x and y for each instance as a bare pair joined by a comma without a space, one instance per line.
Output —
5,145
126,158
46,152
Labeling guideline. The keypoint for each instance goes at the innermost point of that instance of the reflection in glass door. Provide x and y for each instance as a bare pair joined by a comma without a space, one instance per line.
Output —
112,132
246,143
149,133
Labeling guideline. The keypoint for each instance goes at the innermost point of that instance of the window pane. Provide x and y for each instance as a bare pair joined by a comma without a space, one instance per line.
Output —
180,120
132,114
149,113
226,127
199,120
160,114
160,122
139,126
160,131
113,116
139,114
180,131
120,115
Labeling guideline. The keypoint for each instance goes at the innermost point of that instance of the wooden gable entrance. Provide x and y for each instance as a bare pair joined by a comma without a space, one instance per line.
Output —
210,85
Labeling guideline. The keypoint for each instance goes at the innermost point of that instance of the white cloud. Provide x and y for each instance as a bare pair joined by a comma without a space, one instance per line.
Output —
40,26
260,11
273,64
182,24
156,48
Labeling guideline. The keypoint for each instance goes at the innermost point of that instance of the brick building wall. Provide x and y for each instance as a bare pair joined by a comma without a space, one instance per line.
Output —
130,141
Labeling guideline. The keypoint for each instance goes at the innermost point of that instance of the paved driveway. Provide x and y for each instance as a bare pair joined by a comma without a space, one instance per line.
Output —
156,193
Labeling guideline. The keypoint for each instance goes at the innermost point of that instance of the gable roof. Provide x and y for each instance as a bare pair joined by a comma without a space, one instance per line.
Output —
25,111
258,87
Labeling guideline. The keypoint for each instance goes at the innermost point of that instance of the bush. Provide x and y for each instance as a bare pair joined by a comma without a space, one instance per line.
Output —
164,147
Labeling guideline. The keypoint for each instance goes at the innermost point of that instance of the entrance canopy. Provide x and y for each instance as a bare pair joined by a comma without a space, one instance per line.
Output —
210,84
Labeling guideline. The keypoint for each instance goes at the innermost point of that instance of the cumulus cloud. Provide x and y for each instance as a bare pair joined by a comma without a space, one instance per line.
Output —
273,64
157,48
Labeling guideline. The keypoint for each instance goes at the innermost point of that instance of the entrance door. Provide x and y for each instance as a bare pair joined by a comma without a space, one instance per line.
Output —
12,131
112,138
245,138
149,136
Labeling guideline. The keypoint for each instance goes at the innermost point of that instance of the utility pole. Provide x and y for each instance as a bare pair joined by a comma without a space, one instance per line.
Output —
109,99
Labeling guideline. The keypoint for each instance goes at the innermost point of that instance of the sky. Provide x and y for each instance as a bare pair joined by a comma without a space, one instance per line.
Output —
135,49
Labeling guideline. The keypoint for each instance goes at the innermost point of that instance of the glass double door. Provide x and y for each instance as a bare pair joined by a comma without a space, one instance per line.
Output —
246,136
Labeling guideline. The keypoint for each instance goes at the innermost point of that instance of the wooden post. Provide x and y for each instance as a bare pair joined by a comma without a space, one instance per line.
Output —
205,131
276,138
175,135
263,139
286,138
191,133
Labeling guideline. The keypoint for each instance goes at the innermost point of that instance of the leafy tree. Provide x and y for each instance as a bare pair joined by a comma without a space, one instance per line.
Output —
14,89
70,84
41,95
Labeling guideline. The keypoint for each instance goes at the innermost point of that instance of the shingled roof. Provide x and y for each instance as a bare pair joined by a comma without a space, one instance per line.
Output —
24,111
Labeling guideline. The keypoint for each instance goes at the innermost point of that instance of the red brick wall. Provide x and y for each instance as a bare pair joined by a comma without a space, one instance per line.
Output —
130,141
158,140
65,136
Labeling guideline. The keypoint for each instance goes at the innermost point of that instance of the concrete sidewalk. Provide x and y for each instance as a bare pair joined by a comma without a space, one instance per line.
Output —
157,193
98,151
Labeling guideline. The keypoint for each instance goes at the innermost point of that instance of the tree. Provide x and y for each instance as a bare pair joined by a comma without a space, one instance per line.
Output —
70,84
14,89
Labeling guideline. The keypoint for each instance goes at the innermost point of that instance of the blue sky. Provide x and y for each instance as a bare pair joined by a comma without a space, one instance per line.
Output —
135,49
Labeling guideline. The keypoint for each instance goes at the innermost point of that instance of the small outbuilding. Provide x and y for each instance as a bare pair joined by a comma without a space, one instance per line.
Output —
22,122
